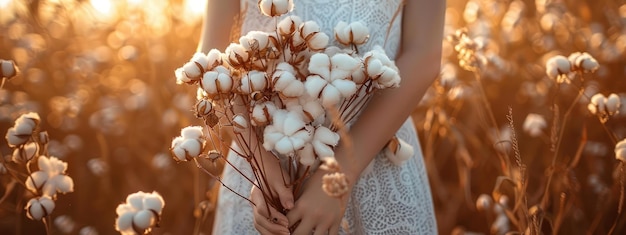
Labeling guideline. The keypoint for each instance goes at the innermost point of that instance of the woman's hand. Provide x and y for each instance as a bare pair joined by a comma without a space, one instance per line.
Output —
267,219
315,210
277,224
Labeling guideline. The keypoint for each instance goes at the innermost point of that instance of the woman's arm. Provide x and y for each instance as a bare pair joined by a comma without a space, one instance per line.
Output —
215,32
419,63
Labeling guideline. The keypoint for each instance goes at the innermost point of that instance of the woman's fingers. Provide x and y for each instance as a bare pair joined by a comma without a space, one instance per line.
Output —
334,230
264,220
286,196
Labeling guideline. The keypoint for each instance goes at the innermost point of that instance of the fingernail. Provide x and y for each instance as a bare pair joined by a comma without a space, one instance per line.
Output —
289,204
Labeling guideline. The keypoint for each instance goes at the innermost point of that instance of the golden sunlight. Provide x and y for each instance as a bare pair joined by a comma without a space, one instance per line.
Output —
5,3
195,7
105,7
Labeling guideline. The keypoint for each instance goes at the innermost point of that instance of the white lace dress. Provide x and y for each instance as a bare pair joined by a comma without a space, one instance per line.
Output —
387,199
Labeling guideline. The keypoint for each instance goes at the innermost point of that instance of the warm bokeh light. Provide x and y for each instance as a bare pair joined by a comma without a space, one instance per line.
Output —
5,3
195,7
104,7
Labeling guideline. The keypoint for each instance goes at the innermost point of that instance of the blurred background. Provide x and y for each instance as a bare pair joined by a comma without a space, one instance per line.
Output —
100,73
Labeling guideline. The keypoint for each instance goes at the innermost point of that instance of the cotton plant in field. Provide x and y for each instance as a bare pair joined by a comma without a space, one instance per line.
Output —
140,213
287,92
51,177
30,146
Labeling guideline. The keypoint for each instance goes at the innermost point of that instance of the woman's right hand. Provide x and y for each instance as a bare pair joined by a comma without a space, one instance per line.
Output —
264,223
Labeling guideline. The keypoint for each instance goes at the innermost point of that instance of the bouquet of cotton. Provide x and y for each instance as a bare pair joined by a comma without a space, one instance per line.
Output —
285,91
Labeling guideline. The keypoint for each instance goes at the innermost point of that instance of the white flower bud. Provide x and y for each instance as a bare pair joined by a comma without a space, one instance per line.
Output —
203,108
38,208
534,124
275,7
324,140
7,69
25,152
557,68
620,150
308,28
97,166
289,25
613,103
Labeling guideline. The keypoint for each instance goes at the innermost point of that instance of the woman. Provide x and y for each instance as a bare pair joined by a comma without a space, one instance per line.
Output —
387,199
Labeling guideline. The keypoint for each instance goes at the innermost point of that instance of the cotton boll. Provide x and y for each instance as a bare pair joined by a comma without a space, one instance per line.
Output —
484,202
237,54
314,85
556,66
344,62
193,147
319,64
7,69
25,153
325,135
36,180
289,25
124,222
286,83
192,132
214,58
153,201
322,150
201,60
37,208
330,96
284,146
398,151
340,33
313,110
240,124
275,7
373,66
317,41
135,200
143,220
308,28
253,81
61,184
262,113
14,139
597,104
359,33
292,123
203,108
620,150
613,103
345,87
534,124
307,155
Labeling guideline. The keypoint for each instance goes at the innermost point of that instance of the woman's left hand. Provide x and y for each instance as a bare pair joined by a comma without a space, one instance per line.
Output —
315,211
